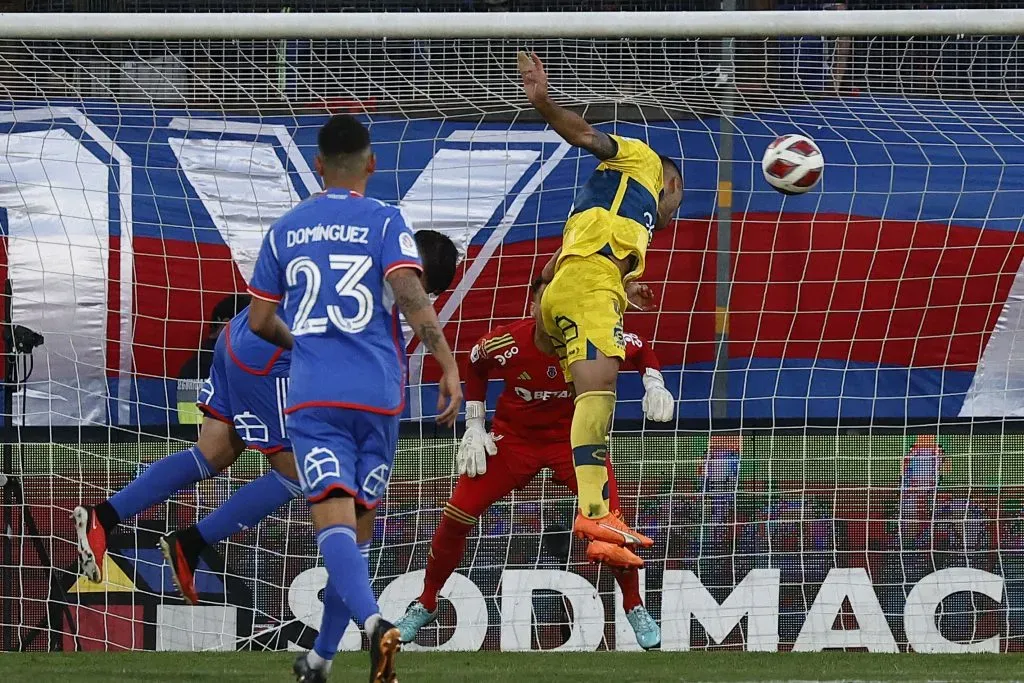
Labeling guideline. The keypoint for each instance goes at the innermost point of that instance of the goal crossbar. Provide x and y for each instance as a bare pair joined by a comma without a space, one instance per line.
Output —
522,25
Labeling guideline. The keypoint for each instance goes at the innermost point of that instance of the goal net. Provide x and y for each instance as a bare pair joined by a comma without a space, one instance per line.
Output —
845,469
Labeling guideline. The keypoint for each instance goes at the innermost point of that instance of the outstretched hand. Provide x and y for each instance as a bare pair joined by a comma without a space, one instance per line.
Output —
640,296
535,79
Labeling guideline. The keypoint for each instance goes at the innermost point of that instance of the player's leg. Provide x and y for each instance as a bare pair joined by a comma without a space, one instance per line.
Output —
256,401
624,565
582,312
254,501
471,498
594,378
645,628
378,443
218,446
244,509
614,556
309,667
341,456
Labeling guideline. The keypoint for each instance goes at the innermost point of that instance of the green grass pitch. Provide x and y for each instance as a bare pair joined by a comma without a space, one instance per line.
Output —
499,667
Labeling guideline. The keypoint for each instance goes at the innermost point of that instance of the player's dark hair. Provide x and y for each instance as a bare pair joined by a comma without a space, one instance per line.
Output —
343,139
671,162
439,257
228,307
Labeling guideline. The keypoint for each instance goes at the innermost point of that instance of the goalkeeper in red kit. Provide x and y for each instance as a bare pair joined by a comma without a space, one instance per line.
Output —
530,431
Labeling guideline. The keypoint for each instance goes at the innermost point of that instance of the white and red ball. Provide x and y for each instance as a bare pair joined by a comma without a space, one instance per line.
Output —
792,164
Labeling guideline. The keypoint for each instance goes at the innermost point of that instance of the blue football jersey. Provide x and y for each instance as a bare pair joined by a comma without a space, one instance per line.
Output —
251,352
248,386
326,261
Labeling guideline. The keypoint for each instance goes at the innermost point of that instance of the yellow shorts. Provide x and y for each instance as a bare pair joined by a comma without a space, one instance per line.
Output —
582,310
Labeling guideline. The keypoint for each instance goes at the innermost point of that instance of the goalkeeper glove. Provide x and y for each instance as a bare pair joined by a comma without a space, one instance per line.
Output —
476,443
658,404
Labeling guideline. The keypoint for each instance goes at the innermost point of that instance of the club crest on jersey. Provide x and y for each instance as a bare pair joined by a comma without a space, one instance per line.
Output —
552,372
206,392
376,482
250,428
408,245
319,464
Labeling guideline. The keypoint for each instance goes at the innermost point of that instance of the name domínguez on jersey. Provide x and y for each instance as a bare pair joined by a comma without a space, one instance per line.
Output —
326,261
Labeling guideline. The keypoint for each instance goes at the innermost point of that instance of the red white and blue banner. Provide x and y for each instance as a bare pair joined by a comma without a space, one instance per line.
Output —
891,291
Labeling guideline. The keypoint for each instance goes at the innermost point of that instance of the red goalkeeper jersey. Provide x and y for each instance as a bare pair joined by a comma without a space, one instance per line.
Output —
535,402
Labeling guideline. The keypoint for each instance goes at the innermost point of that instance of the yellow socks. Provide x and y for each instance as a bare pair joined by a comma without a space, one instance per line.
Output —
590,424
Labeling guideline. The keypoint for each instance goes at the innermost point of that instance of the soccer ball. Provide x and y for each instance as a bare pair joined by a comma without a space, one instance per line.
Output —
792,164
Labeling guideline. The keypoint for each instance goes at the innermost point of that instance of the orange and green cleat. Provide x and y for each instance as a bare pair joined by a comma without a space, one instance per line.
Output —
613,555
610,529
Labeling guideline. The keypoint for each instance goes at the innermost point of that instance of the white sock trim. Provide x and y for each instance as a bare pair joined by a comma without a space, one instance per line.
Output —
318,662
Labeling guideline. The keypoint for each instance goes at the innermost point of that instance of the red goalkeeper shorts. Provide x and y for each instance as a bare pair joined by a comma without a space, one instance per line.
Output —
515,465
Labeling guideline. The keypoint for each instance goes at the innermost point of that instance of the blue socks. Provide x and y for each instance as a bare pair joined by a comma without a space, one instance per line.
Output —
336,616
334,622
347,571
159,481
247,506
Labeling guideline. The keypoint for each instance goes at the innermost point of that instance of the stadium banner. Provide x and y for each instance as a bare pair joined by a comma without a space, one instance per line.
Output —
124,226
769,542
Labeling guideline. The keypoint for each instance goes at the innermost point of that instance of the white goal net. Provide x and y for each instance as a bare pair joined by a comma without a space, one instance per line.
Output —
845,469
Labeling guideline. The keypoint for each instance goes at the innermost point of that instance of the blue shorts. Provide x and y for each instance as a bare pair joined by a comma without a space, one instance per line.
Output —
252,403
344,449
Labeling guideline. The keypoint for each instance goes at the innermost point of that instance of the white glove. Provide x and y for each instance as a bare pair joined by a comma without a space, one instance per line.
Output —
658,404
476,443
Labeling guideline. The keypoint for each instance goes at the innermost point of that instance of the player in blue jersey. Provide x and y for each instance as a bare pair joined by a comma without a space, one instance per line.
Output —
243,402
342,266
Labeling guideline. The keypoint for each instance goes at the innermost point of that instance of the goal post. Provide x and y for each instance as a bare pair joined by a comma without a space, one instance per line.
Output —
507,25
846,453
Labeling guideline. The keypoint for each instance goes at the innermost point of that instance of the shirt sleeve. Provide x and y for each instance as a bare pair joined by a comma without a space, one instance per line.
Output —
479,370
639,354
635,158
268,276
398,249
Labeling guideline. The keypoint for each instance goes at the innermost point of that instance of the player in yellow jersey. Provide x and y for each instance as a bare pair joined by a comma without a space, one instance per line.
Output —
633,192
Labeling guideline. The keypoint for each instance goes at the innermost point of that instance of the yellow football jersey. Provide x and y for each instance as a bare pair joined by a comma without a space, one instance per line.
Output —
615,211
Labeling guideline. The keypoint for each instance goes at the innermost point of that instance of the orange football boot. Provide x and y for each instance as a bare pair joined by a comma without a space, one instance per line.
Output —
610,529
183,567
613,555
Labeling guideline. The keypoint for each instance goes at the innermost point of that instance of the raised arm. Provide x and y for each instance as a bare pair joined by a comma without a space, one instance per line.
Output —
412,301
571,126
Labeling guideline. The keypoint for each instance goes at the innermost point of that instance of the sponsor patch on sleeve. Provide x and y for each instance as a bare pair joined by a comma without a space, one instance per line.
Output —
408,245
